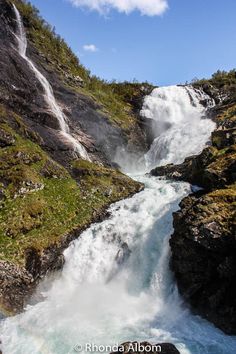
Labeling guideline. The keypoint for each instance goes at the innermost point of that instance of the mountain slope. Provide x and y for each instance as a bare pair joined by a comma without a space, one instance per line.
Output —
104,121
48,194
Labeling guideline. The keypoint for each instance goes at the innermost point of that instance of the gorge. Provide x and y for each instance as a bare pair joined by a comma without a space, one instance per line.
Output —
112,281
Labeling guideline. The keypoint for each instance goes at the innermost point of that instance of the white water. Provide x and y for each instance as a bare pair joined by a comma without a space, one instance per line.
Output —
97,300
106,296
48,91
182,127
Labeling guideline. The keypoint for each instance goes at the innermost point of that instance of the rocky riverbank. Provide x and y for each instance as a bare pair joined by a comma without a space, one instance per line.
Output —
203,244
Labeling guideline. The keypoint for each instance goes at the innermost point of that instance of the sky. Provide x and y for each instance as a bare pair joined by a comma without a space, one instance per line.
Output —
164,42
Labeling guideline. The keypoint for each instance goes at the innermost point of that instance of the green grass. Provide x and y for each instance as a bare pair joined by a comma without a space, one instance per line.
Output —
40,218
220,80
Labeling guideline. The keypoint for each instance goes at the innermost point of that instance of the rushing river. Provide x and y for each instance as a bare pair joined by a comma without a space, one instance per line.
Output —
99,299
116,284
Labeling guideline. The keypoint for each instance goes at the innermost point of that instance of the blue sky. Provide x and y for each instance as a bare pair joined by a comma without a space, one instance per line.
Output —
192,38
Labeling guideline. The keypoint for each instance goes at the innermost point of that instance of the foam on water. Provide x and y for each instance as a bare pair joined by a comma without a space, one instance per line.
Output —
182,127
99,299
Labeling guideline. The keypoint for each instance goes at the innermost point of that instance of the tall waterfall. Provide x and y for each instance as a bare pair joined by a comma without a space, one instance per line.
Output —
48,91
181,128
116,284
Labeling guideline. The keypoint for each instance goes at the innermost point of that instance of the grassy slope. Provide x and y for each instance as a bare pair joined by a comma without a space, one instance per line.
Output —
40,201
38,218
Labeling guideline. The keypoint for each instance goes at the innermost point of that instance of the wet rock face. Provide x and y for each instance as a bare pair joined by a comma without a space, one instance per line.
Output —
145,348
203,256
15,284
21,92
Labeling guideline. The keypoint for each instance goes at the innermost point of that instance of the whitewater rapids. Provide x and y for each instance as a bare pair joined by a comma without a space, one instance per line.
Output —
182,127
116,285
97,300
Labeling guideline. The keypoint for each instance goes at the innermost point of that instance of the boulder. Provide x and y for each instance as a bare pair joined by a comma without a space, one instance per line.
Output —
145,348
6,139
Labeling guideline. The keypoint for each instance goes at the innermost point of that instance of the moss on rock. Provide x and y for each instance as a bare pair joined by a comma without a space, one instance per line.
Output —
41,201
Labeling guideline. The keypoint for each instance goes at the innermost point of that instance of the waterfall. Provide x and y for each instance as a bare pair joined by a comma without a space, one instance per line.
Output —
106,295
48,91
116,284
181,125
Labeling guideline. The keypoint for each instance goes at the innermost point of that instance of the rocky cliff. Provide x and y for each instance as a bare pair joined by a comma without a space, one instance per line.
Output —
204,241
48,194
100,117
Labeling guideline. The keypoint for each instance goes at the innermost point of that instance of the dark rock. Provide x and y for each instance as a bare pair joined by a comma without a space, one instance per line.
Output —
223,138
24,158
209,170
203,256
6,139
32,261
191,170
52,170
145,348
28,187
123,254
15,286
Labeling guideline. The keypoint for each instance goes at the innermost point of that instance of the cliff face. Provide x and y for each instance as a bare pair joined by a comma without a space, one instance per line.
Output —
204,241
100,127
48,194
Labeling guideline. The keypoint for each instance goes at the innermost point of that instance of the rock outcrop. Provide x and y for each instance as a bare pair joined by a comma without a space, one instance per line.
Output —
203,255
145,347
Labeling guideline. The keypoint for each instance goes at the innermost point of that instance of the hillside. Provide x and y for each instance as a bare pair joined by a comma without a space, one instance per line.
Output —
48,194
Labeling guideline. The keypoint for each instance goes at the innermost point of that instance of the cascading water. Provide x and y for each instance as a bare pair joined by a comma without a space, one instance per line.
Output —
116,284
182,128
48,91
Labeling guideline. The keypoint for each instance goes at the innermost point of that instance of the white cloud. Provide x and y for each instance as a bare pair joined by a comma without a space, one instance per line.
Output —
90,48
146,7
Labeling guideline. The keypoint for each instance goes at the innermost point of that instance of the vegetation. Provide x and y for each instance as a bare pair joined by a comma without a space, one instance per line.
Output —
228,117
39,199
112,96
221,80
